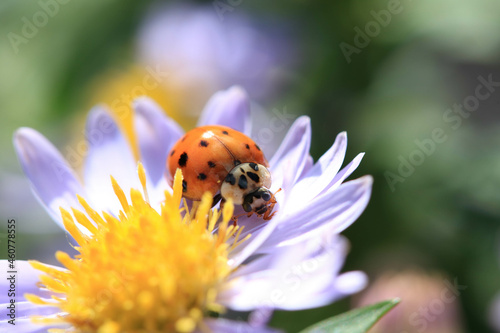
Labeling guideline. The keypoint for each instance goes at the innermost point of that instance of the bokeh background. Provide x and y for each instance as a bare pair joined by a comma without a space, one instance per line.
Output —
390,73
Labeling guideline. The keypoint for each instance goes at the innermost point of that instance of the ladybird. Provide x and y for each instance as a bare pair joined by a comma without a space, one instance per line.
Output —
226,163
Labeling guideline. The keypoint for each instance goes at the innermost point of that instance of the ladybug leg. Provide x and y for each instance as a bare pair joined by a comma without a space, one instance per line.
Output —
236,217
269,212
235,220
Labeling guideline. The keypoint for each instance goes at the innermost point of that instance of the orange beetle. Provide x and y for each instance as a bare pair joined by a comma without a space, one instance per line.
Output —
226,163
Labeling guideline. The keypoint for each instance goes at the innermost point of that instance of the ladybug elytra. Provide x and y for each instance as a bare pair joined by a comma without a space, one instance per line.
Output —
226,163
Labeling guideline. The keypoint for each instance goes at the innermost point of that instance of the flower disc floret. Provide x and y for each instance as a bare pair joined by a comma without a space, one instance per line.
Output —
143,271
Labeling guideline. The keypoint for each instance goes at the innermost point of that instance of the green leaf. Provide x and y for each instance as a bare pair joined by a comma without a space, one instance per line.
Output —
354,321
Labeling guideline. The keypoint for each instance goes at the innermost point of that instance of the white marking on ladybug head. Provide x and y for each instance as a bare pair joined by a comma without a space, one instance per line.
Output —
247,184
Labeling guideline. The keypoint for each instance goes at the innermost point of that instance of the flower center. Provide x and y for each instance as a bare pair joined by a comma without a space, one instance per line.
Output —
145,271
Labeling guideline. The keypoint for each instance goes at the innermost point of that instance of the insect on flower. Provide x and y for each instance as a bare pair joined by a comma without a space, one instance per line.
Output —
226,163
193,267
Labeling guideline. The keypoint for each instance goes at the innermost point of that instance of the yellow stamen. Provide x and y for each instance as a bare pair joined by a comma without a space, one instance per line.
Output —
57,330
36,300
177,195
92,213
57,273
143,271
84,221
71,227
120,195
66,260
142,178
45,320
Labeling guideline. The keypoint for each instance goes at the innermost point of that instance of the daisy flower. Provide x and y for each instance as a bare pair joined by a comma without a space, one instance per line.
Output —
144,264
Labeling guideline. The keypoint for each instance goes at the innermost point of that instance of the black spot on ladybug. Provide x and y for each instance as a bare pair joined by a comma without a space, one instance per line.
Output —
211,164
242,182
183,159
257,146
203,143
202,176
184,186
172,153
247,146
242,170
183,138
225,132
237,162
254,166
230,179
253,176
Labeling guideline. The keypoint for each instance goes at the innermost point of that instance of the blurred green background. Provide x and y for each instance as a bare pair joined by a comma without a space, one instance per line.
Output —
387,72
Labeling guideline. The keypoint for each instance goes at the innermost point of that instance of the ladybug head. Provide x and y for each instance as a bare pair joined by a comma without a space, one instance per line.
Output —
248,184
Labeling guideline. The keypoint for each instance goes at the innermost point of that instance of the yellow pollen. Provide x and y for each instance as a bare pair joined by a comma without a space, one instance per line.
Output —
143,271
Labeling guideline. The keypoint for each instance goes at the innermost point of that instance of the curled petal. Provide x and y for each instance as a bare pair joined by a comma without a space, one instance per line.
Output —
292,156
335,209
344,173
322,174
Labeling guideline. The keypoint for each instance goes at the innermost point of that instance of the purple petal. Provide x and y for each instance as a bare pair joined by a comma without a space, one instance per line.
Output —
291,158
26,280
157,193
53,181
25,325
26,309
344,285
295,277
307,167
230,108
231,326
344,173
351,282
260,317
322,173
109,154
246,249
156,134
334,209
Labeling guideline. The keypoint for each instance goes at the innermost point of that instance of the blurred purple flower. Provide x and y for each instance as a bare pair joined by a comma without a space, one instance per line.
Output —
494,314
429,302
204,53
